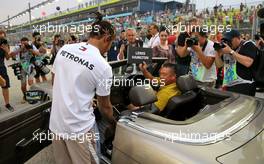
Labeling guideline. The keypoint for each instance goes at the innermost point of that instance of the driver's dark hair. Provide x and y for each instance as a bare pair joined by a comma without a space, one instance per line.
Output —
171,66
101,28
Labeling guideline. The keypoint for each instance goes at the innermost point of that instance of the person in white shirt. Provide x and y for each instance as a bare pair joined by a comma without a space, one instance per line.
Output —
202,66
155,39
79,73
24,54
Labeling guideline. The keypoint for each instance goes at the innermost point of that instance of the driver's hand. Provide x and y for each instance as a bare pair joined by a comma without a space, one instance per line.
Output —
143,67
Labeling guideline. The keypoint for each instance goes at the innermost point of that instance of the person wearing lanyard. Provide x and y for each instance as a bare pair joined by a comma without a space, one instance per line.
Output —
237,58
202,66
24,54
154,40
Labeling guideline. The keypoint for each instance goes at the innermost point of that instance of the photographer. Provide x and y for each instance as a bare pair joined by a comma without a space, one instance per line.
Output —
24,54
42,51
259,42
131,41
57,43
237,57
5,82
202,55
183,58
74,86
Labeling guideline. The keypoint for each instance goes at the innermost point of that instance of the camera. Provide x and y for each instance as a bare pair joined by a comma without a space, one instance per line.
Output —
17,67
41,64
46,60
257,37
219,46
28,46
125,42
192,41
3,41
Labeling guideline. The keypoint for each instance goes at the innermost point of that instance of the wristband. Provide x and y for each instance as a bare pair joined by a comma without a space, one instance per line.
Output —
232,52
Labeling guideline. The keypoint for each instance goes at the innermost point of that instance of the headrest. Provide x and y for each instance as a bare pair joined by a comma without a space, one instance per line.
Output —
186,83
142,95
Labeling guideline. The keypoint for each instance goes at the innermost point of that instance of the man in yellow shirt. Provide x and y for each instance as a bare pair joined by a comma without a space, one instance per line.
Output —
167,81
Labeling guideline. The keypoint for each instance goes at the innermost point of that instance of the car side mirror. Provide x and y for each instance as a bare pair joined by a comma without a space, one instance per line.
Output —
142,95
34,96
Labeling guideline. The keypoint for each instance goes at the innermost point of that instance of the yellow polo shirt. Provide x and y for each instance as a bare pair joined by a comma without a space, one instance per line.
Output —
165,93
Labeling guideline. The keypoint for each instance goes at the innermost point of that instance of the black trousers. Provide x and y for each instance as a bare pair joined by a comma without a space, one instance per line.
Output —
246,89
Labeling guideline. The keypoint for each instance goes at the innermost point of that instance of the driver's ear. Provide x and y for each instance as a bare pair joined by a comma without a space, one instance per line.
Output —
174,77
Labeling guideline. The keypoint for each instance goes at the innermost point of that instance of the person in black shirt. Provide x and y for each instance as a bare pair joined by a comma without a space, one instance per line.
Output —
113,52
115,47
42,51
122,39
183,63
237,58
4,54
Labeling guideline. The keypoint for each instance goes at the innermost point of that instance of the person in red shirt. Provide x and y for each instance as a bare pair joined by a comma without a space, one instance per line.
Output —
171,39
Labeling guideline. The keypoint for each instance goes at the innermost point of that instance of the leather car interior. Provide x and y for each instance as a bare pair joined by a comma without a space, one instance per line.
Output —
181,107
142,95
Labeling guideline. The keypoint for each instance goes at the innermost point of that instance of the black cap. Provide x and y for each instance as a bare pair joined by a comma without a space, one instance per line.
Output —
231,34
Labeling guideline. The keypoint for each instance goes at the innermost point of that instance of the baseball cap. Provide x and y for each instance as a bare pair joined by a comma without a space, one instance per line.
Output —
231,34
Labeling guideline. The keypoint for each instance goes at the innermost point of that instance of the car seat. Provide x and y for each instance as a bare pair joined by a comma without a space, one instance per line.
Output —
187,104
